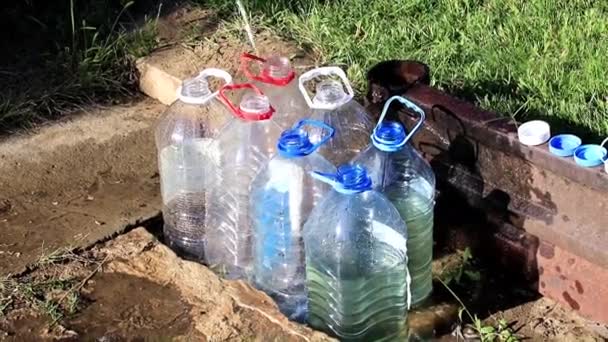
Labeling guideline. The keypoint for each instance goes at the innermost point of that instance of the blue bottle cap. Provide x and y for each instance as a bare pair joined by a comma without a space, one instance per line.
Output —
389,136
295,142
350,179
354,177
590,155
563,145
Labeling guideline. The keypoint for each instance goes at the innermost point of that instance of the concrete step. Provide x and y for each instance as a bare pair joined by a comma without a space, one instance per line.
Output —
72,183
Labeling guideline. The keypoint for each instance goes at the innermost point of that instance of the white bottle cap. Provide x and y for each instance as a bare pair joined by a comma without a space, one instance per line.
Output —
534,132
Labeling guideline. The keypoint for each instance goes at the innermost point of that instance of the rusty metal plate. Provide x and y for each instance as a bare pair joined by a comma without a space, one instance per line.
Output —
573,281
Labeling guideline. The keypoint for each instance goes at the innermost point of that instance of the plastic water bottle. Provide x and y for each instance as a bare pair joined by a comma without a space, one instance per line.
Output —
399,172
185,139
246,143
277,80
356,261
337,108
282,196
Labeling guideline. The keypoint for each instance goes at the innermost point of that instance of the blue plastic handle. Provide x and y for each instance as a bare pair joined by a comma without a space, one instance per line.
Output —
315,123
410,105
349,179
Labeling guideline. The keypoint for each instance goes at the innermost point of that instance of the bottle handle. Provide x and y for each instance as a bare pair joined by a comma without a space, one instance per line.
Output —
237,111
338,180
320,124
205,74
327,178
247,58
410,105
324,71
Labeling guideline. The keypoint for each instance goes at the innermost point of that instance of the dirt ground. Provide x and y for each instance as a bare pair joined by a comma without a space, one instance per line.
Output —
134,288
546,320
74,183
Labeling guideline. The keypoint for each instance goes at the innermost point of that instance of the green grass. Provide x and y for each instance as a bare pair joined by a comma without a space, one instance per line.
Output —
522,58
67,55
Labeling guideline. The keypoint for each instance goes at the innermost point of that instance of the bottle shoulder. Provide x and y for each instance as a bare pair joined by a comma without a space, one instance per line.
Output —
182,122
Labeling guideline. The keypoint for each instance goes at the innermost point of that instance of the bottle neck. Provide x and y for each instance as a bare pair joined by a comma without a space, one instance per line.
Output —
277,67
329,92
389,136
254,105
195,88
294,144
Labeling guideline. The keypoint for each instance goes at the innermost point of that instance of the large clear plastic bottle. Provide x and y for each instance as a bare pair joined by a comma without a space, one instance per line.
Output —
277,80
185,139
337,108
399,172
356,261
282,196
247,143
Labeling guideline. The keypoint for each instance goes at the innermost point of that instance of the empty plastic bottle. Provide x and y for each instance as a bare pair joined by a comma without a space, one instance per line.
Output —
400,173
277,80
246,144
356,261
282,196
337,108
185,139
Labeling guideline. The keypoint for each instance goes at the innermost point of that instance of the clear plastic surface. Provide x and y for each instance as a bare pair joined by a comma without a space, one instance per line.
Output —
277,81
405,177
185,139
282,196
356,264
246,145
333,104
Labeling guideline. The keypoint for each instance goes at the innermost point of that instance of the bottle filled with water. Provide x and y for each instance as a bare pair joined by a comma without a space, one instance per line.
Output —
356,261
399,172
282,196
333,104
187,146
246,143
276,78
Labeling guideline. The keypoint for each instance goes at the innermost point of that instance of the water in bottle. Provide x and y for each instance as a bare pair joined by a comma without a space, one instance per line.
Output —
399,172
356,261
282,196
337,108
185,139
277,80
246,143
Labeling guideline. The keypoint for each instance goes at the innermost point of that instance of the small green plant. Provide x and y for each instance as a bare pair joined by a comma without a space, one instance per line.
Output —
463,269
486,333
56,296
73,301
36,294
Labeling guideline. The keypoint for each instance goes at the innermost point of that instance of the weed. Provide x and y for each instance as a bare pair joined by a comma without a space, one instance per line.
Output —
464,270
55,256
56,296
34,293
463,267
486,333
73,301
52,310
93,64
